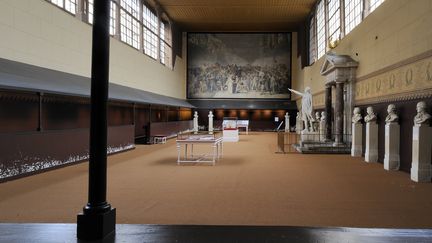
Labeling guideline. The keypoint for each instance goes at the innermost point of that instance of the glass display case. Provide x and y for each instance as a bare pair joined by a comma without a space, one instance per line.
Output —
229,123
200,136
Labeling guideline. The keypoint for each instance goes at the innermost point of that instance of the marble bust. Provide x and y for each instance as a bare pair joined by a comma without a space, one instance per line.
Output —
356,116
422,116
323,116
317,116
370,117
392,116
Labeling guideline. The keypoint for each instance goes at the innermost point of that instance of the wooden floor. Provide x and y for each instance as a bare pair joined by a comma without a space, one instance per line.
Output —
54,233
251,185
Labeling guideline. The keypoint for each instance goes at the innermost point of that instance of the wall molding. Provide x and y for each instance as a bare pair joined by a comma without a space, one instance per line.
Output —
399,64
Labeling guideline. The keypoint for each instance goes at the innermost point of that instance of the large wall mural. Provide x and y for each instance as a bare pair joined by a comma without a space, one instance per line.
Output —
239,65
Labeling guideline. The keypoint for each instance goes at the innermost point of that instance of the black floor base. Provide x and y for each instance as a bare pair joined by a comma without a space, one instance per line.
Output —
48,233
96,226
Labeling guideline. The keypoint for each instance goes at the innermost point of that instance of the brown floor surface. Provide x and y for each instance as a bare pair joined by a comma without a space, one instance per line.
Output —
251,185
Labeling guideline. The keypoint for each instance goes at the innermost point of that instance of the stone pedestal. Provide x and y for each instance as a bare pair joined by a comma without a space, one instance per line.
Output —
306,136
421,170
371,152
357,137
322,130
392,141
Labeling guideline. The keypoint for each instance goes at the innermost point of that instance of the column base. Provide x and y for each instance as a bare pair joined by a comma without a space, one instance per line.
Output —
391,162
371,156
356,151
422,174
96,226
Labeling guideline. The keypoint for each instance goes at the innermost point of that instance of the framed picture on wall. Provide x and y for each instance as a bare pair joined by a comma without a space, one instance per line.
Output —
238,65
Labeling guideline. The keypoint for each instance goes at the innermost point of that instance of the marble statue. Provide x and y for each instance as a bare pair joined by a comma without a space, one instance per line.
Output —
392,115
356,116
299,124
287,122
317,116
323,116
370,117
195,122
307,109
210,122
422,116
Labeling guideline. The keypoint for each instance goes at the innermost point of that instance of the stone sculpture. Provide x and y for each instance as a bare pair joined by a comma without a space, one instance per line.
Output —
421,168
392,139
370,116
210,122
392,116
195,122
356,116
422,116
287,122
307,110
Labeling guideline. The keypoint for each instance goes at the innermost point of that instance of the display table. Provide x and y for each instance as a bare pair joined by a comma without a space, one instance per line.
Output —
230,129
215,141
244,124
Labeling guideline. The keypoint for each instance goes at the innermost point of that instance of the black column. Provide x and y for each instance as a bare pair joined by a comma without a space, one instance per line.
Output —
339,113
98,218
328,110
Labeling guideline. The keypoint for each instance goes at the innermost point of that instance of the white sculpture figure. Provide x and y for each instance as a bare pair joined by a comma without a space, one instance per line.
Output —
307,110
357,136
317,116
356,116
299,123
421,169
322,126
392,116
371,152
210,122
370,115
287,122
323,116
195,122
392,139
422,116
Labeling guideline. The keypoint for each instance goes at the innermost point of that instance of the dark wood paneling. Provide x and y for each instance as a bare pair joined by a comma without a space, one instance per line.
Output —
406,111
120,114
158,114
58,114
142,121
31,152
185,114
169,128
19,115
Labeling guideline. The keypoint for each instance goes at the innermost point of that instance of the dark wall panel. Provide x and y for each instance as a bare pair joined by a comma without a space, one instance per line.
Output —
27,153
19,114
169,128
59,115
120,114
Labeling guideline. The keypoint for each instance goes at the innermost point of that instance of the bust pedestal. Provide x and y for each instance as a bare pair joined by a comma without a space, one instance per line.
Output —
357,137
371,152
392,140
322,130
421,170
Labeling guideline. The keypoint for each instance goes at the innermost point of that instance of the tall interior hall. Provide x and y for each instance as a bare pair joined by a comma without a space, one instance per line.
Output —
216,121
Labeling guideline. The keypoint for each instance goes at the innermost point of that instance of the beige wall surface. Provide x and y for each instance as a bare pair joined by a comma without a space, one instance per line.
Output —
38,33
393,46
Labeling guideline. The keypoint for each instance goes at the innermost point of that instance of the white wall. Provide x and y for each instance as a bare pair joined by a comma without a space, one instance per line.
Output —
38,33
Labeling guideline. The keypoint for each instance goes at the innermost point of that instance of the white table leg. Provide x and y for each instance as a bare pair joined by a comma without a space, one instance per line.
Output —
214,154
178,153
192,152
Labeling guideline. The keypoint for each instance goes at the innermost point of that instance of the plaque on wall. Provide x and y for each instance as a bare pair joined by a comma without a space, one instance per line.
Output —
238,65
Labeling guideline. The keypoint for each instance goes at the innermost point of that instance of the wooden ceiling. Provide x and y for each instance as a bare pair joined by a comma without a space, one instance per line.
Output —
237,15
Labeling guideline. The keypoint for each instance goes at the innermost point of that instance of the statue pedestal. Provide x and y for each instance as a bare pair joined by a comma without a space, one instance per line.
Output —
421,170
371,152
322,129
357,137
392,140
306,136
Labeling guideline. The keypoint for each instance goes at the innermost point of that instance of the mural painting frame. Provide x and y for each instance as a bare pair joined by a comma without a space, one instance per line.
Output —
289,81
